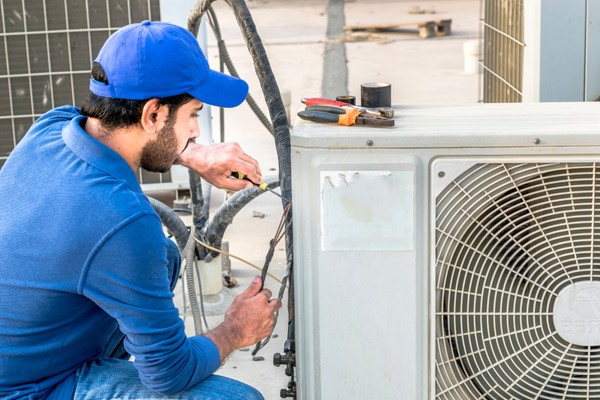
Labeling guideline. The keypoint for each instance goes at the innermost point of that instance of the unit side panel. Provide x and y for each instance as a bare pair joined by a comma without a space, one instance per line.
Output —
305,263
359,303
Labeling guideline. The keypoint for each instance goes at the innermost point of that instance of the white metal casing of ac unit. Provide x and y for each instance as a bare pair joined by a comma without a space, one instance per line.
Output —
365,236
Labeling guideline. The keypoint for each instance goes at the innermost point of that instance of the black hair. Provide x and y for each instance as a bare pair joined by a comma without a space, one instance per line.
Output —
121,113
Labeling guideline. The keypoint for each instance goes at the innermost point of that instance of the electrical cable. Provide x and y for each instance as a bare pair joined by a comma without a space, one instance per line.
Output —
183,236
189,254
200,294
183,310
279,234
212,248
277,112
280,131
194,20
200,212
214,23
249,99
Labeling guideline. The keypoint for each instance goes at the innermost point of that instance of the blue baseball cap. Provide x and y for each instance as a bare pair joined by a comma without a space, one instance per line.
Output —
158,59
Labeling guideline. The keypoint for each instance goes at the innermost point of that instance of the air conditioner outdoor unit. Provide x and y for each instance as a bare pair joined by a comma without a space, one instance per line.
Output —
453,256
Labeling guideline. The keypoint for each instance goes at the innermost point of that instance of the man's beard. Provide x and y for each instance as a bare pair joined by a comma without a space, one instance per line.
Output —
159,154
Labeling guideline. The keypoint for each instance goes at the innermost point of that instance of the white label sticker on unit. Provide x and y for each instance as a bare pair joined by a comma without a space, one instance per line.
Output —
367,210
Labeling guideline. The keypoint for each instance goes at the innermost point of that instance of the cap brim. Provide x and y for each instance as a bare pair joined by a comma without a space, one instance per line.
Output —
221,90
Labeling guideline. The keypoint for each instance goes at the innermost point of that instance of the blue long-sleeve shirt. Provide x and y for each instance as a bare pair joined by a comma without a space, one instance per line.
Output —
82,250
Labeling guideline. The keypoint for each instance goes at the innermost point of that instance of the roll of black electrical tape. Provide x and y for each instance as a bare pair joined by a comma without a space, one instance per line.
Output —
376,94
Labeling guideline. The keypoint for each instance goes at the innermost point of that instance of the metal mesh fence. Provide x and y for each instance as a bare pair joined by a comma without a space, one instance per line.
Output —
502,30
46,52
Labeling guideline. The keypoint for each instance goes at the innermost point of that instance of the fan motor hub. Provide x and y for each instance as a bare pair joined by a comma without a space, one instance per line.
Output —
577,313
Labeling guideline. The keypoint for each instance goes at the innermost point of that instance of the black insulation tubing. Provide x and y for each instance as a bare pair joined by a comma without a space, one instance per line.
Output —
200,209
171,221
249,99
225,214
278,115
225,58
281,128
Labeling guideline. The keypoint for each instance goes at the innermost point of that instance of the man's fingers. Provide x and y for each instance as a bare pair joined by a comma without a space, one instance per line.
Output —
235,184
253,289
267,293
276,303
253,165
251,170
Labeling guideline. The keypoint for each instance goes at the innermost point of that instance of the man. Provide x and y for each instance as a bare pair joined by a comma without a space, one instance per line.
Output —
83,259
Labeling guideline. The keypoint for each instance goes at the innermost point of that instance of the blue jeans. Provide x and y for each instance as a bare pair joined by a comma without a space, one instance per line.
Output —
113,376
113,379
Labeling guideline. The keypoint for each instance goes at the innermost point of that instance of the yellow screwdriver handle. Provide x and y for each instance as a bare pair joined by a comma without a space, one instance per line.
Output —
239,175
263,186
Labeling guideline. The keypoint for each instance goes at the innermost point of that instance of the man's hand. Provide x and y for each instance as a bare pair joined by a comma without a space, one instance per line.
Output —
249,319
216,162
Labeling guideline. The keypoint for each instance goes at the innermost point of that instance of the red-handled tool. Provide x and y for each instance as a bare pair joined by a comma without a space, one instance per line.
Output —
342,116
385,112
319,101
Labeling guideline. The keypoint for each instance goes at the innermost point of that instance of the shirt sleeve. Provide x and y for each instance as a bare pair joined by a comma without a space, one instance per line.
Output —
127,277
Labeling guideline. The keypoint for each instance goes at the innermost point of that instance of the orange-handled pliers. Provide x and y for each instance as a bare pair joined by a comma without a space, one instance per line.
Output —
342,116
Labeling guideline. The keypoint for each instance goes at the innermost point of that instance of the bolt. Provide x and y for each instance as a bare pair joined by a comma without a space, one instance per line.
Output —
441,174
536,141
277,359
369,143
285,393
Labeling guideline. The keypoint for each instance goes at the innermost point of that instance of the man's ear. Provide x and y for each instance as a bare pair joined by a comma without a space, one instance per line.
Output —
154,116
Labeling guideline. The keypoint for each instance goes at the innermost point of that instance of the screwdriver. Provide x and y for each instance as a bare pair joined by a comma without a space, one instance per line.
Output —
263,186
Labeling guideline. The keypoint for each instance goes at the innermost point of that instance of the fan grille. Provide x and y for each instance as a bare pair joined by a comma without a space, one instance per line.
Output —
518,283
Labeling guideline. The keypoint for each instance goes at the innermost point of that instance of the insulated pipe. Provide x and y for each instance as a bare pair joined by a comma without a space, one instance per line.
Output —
172,222
225,59
194,21
276,111
186,244
225,214
271,93
280,132
195,16
200,209
281,129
